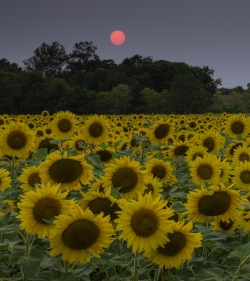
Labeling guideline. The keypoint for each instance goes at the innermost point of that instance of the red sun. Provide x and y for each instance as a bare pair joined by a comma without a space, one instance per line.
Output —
117,37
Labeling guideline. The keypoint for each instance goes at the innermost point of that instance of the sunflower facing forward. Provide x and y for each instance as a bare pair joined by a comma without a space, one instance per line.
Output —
160,132
237,124
78,235
42,204
241,175
16,140
63,124
5,180
144,223
217,202
69,171
29,178
127,174
95,130
178,249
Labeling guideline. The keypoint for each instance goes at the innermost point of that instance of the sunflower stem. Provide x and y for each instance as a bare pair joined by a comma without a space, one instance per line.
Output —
119,251
136,266
66,266
157,273
143,152
240,267
163,275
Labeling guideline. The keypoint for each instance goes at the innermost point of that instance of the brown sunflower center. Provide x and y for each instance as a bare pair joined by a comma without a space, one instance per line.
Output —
149,188
46,208
158,171
144,222
244,157
205,171
80,234
16,140
126,178
99,205
209,143
95,130
245,176
105,155
226,225
176,244
34,179
197,154
64,125
65,170
46,144
237,127
192,124
161,131
180,150
79,145
215,204
175,217
234,147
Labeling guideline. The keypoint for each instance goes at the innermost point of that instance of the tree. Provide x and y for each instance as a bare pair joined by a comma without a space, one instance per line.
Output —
234,103
50,60
217,105
5,65
188,95
121,99
83,57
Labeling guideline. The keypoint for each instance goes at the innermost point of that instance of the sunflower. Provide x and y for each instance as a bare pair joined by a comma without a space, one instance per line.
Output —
41,204
78,143
224,226
225,171
29,178
64,124
45,113
45,142
212,140
244,220
127,174
241,175
178,249
104,202
160,132
78,235
16,140
178,149
217,202
241,154
159,169
195,151
236,125
144,223
229,153
106,154
95,129
69,171
205,169
153,185
5,180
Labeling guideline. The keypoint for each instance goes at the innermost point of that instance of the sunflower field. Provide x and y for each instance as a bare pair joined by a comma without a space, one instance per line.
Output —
133,197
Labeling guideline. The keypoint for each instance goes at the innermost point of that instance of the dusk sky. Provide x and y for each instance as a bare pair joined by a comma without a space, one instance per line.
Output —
214,33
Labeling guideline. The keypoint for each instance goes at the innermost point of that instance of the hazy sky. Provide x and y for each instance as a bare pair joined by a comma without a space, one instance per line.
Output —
212,33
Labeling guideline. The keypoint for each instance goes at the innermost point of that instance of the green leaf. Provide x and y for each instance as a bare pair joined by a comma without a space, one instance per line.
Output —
174,278
213,274
30,265
68,276
43,276
83,270
241,252
9,228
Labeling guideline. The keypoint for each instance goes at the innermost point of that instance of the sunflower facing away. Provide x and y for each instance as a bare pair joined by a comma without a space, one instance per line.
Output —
144,223
127,174
42,203
78,235
64,124
95,130
178,249
16,140
217,202
69,171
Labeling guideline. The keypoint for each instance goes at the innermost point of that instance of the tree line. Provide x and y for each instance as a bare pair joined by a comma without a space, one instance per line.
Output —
83,83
